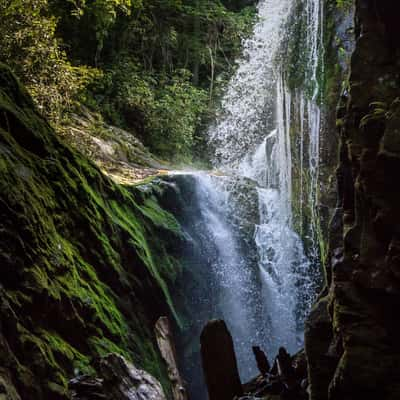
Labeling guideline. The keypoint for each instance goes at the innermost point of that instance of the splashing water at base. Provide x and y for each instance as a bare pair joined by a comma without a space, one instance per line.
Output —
282,266
232,273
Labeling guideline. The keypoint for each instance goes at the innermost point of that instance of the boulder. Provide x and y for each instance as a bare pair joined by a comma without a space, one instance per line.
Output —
117,380
219,362
166,345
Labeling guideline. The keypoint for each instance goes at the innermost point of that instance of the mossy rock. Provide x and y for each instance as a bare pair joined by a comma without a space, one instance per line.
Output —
85,268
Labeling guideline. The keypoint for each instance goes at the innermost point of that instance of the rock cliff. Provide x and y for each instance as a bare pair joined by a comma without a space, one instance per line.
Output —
352,333
85,263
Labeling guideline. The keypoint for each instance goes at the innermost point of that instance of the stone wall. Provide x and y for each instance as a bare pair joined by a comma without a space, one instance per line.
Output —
352,334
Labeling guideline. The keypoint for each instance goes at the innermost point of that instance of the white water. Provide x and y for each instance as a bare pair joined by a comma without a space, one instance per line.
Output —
264,301
248,105
235,281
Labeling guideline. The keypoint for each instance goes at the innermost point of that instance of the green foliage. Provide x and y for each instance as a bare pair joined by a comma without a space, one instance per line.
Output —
29,45
149,67
161,66
126,95
163,110
104,14
176,112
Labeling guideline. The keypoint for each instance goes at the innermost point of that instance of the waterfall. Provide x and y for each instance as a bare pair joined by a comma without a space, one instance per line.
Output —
261,276
231,270
247,109
310,115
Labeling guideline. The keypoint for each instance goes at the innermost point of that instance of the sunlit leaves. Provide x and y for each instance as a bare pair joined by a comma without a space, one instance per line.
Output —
29,45
155,60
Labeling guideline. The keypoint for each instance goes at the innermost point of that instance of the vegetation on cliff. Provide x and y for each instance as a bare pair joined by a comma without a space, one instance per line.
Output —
86,263
332,59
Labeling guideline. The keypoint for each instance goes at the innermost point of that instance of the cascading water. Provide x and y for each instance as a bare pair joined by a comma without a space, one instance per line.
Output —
259,107
238,288
261,280
248,105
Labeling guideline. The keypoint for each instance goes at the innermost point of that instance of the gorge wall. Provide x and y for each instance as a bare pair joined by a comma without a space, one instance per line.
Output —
352,333
86,263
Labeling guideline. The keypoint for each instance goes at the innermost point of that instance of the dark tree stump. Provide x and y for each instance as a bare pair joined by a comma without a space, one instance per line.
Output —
219,362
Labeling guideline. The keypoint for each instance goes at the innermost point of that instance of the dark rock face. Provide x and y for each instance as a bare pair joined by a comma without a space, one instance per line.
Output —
117,380
318,335
219,362
352,337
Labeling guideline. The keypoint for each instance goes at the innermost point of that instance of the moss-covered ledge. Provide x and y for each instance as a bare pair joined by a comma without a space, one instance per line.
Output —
83,269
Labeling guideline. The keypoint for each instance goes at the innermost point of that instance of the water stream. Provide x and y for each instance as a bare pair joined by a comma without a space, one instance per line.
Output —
261,279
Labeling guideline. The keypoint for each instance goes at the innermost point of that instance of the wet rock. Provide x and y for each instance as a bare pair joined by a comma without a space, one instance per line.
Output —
262,360
219,362
87,387
286,380
318,337
352,334
284,362
117,380
299,363
167,349
61,218
7,388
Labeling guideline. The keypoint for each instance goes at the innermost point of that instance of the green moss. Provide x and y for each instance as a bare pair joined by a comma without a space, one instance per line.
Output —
87,263
61,348
147,245
159,217
53,351
344,4
103,346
